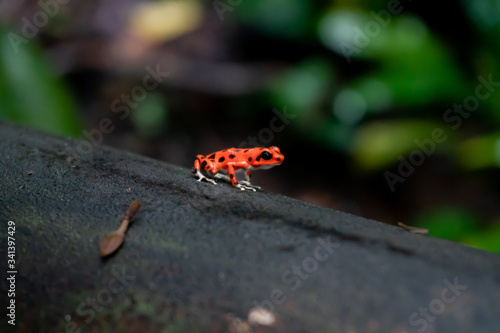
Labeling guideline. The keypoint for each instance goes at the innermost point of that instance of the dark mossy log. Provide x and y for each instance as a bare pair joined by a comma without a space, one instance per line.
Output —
197,256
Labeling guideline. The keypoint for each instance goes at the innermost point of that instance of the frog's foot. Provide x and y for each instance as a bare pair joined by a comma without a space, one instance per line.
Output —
247,183
244,187
201,177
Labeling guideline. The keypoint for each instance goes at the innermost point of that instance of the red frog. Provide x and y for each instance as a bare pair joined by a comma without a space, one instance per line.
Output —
232,159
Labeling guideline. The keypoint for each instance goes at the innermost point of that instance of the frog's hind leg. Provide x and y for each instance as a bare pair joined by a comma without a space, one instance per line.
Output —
220,175
248,175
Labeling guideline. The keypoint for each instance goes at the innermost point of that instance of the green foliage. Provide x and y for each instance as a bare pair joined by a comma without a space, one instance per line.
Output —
486,238
480,152
460,225
409,61
379,144
282,18
150,118
30,92
448,222
411,68
303,86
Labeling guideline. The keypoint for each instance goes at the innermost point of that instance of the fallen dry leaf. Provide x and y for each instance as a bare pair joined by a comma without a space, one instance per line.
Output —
112,241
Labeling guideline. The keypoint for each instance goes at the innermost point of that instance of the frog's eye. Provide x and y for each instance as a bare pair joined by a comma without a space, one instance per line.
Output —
266,155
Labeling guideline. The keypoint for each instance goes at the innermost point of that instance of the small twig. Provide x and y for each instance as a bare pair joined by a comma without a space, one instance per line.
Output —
129,215
112,241
413,230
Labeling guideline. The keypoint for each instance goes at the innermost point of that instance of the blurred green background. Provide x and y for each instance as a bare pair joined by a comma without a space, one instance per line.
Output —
385,109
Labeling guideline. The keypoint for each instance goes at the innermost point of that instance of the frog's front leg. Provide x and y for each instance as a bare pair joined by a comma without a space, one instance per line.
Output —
248,175
234,181
196,171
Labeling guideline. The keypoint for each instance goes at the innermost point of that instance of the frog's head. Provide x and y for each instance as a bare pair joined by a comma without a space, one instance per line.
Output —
268,157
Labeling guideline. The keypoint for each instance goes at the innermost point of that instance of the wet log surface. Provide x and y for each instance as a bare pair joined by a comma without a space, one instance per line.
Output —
198,256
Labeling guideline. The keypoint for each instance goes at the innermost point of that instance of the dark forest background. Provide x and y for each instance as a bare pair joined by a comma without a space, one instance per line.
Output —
385,109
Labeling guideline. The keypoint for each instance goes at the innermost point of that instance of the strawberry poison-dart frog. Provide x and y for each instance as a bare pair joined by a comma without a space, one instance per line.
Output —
233,159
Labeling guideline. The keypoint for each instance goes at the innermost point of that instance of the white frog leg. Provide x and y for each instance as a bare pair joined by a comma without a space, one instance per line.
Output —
246,182
222,176
202,177
245,187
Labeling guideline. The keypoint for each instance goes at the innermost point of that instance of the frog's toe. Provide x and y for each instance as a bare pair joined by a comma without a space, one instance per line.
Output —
208,180
201,177
245,187
247,183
